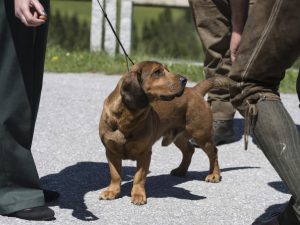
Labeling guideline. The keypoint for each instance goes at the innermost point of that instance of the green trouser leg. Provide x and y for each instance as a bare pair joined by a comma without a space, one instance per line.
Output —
22,52
213,22
270,44
278,137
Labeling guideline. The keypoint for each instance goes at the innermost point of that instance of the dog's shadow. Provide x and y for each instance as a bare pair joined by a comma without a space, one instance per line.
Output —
77,180
74,182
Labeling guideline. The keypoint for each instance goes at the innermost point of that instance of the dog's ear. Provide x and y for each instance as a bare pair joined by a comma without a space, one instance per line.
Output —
137,68
142,70
133,95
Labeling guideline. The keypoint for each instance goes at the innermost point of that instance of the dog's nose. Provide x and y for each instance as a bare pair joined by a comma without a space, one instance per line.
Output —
183,80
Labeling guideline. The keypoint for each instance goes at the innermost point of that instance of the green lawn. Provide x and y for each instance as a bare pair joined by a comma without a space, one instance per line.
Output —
81,8
58,60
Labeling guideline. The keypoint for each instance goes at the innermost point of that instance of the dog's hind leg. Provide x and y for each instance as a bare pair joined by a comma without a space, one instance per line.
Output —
187,150
115,167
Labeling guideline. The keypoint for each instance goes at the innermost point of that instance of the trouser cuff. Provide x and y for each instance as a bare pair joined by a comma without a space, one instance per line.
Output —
30,203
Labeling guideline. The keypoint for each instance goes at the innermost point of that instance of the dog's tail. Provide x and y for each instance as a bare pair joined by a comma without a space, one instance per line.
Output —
214,82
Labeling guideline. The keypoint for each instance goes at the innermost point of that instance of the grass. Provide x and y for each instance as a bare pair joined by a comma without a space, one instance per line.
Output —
62,61
288,85
59,60
80,8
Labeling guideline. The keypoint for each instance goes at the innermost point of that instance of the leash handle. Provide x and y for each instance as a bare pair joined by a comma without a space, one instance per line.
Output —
113,30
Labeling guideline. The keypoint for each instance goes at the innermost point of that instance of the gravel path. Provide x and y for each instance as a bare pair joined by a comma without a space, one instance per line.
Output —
71,159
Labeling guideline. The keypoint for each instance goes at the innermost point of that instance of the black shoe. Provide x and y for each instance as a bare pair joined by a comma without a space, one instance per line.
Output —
223,132
41,213
50,196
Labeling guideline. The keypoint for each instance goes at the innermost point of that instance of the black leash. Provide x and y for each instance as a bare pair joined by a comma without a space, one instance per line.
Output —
125,53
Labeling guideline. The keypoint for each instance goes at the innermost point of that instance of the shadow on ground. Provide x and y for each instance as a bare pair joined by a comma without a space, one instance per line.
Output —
274,209
75,181
238,127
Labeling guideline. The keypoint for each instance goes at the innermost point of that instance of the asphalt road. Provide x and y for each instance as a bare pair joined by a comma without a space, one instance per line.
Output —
71,159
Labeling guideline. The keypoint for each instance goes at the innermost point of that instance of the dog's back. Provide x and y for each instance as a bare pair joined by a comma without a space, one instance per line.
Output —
189,112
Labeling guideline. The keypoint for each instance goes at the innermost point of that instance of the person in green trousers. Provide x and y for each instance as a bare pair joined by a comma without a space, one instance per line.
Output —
220,25
23,37
269,45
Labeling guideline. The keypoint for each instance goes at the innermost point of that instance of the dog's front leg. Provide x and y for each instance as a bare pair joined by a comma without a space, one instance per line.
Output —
214,175
115,167
138,193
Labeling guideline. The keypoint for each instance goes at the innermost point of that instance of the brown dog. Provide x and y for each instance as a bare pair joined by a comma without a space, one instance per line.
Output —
144,107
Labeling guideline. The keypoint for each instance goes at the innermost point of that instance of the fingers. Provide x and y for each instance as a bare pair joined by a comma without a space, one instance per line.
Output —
23,20
27,12
234,45
38,7
31,20
35,14
233,56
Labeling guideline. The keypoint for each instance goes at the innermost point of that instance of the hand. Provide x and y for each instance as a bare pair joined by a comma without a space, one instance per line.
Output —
30,12
239,15
234,44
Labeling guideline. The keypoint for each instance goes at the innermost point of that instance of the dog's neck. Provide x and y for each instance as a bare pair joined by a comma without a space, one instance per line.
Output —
133,120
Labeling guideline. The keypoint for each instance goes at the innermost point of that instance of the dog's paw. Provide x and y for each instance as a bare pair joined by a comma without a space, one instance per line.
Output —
138,198
213,178
108,195
178,172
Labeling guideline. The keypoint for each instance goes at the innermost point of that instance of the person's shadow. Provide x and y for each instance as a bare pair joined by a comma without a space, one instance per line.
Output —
273,209
75,181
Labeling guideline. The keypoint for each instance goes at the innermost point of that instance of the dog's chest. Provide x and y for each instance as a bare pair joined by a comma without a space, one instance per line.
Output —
133,148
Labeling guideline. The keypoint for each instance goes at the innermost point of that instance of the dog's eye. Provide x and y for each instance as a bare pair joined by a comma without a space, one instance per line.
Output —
158,73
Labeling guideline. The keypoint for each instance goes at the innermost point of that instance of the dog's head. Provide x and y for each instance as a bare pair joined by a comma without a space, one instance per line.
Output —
149,81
